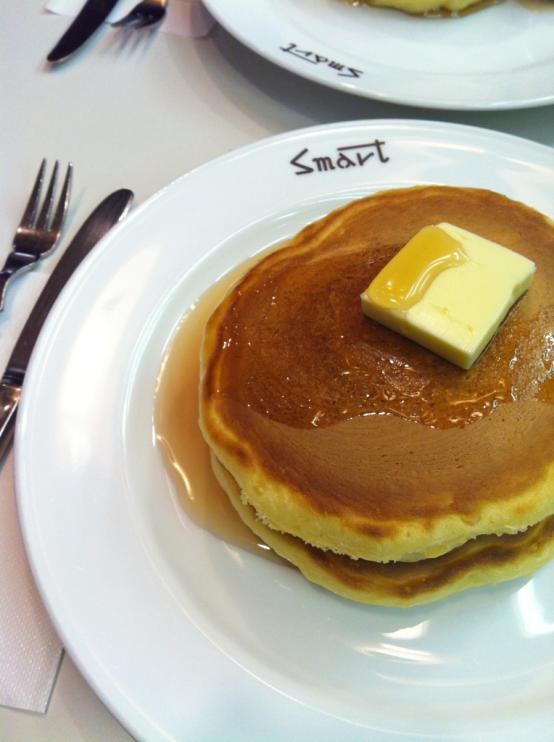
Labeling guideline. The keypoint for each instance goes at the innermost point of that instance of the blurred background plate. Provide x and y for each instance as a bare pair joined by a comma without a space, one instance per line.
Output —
499,57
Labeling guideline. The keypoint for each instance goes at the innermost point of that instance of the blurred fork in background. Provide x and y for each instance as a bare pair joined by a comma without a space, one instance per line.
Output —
38,233
147,13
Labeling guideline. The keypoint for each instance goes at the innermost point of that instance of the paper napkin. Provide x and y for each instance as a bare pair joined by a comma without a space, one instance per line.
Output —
30,650
184,17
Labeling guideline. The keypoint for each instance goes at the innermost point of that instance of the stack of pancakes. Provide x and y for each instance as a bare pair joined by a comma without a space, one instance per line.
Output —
383,472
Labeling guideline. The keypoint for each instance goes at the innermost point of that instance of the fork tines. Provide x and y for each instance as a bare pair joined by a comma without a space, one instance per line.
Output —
38,232
29,219
146,14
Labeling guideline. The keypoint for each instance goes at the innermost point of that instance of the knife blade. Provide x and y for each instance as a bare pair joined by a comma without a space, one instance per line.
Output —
101,220
89,19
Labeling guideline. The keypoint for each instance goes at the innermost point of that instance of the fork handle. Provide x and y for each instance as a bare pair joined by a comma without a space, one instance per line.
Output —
15,262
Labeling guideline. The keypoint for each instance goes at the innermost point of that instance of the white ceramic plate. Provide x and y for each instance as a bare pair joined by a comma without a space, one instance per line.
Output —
500,57
182,635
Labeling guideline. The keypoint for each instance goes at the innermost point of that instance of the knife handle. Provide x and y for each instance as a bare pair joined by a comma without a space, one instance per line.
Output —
10,395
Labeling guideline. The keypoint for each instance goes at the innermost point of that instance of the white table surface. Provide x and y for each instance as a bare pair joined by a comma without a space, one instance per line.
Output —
138,115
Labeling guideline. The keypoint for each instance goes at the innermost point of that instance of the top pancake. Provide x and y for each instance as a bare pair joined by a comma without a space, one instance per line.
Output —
355,439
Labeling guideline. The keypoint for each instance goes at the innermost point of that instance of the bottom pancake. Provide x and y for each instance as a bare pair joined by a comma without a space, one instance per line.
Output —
485,560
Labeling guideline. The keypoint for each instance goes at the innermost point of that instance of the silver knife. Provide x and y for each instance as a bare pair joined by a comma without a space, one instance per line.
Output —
105,215
90,18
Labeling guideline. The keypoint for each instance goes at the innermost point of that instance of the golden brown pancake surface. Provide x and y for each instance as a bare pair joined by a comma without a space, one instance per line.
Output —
342,432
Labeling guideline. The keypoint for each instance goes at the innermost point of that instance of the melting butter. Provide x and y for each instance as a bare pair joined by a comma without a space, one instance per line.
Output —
449,290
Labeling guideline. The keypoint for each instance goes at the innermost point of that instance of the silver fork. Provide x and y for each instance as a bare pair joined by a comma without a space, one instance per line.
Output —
146,13
38,233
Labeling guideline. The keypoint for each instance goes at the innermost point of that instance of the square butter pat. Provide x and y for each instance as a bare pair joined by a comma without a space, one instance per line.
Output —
448,289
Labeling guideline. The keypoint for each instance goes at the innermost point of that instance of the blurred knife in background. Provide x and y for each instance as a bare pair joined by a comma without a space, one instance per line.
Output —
90,18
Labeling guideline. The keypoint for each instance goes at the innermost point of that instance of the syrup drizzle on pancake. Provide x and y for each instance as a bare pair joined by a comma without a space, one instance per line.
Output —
426,256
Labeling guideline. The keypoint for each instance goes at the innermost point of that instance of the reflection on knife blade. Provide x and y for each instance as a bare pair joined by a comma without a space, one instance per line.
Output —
90,18
107,213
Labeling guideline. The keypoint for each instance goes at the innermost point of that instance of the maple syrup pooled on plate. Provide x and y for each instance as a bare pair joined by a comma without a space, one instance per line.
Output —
186,454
